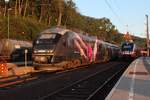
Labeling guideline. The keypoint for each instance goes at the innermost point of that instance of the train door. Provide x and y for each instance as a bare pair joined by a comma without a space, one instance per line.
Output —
104,52
99,52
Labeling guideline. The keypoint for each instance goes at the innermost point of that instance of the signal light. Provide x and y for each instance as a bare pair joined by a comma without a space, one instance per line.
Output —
3,69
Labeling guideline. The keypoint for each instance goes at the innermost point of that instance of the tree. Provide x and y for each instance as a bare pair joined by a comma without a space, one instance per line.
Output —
60,7
59,12
25,9
42,10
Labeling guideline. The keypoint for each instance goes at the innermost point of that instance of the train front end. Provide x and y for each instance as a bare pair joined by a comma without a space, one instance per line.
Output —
128,50
44,48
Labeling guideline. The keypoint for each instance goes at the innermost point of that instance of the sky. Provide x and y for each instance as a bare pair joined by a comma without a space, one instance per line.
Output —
126,15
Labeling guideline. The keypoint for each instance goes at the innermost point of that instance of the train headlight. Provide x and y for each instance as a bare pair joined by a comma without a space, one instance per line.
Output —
35,51
50,51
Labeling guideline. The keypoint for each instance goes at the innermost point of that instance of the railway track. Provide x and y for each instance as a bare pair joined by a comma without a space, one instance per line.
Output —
13,81
95,86
61,85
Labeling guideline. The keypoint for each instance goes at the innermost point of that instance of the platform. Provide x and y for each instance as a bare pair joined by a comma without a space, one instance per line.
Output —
134,84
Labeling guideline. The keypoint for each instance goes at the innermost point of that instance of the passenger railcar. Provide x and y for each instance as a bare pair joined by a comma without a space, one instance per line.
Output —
14,49
129,50
59,48
19,54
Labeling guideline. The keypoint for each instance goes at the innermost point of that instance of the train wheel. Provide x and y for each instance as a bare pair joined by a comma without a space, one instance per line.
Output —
70,65
76,63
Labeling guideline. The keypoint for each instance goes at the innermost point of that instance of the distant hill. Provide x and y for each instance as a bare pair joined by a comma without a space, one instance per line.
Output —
29,17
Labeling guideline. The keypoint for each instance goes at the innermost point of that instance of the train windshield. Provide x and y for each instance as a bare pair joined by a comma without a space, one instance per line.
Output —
47,41
127,47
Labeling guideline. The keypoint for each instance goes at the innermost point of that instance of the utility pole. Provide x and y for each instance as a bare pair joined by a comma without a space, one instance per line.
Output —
7,2
147,33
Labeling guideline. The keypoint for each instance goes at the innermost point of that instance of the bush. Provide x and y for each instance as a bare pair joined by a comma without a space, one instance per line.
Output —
20,28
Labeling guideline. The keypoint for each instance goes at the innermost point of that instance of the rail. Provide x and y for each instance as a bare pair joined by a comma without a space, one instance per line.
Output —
86,89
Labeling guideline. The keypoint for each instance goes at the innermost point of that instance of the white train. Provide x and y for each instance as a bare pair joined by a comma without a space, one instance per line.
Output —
129,50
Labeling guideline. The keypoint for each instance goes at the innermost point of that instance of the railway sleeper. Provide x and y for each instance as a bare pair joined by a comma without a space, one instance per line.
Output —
70,97
80,92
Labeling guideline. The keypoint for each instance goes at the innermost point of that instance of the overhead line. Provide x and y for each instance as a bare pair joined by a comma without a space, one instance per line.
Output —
114,12
115,4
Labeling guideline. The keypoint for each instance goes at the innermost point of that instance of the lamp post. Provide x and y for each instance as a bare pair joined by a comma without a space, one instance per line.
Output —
147,36
7,2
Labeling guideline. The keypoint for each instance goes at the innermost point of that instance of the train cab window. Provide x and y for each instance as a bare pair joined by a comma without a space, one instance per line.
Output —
47,41
48,38
127,46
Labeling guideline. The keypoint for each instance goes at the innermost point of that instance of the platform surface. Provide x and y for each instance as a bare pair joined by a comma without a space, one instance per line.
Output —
134,84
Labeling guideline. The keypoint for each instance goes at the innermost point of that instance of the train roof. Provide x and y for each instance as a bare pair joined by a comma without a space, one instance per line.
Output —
55,30
110,44
62,31
21,43
88,38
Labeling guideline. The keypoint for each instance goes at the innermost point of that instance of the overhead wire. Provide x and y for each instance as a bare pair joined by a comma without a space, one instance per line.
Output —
116,15
115,4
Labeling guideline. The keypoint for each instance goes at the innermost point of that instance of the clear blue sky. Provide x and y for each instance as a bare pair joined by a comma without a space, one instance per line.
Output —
120,12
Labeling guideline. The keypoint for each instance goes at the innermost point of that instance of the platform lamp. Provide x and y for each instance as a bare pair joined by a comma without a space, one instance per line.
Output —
7,3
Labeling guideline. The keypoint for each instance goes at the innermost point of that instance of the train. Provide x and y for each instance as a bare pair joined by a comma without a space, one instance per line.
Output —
14,50
11,52
129,50
59,48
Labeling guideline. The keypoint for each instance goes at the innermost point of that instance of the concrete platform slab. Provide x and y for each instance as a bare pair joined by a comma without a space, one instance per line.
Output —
134,84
